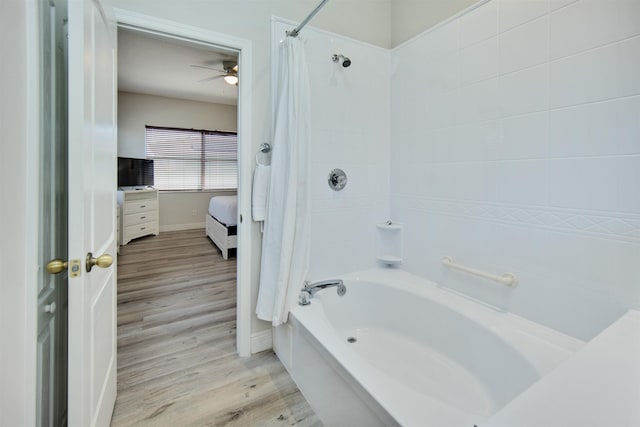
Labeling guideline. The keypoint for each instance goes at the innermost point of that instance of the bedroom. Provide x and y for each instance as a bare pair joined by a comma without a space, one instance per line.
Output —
159,88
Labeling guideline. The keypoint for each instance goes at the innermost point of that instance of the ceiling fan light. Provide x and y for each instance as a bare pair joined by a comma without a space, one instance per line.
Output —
231,79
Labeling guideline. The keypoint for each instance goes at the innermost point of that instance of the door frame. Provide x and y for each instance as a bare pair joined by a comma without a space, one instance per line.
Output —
174,30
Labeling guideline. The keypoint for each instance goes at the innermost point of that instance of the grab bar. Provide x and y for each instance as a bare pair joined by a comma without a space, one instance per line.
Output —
507,279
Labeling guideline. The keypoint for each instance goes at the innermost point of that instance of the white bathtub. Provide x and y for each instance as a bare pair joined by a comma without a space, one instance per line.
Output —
422,356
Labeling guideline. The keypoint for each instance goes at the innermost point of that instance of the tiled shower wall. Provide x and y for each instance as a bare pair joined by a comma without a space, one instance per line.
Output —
349,130
515,146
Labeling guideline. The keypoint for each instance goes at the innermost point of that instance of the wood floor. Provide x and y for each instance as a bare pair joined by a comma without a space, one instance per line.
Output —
176,343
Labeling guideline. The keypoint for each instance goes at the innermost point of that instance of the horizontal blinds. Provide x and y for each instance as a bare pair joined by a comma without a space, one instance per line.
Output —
186,159
220,160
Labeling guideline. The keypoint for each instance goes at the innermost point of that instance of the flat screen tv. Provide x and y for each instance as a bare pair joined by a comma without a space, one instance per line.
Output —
134,172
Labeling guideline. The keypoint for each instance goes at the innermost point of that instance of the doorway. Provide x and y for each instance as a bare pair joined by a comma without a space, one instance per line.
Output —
242,48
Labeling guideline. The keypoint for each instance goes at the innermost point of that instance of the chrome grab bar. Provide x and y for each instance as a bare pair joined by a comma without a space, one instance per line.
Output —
507,279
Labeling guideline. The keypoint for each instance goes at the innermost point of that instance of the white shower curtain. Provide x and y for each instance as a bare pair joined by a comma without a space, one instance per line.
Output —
286,240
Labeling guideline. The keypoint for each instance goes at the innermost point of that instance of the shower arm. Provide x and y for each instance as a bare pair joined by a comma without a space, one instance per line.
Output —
296,31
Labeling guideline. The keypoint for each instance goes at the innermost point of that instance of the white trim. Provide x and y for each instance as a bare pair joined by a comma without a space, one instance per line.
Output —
32,199
261,341
243,47
182,227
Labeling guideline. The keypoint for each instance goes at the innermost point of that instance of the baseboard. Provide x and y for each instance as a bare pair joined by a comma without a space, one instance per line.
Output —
261,341
181,227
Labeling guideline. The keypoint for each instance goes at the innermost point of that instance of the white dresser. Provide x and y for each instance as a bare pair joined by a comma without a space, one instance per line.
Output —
138,213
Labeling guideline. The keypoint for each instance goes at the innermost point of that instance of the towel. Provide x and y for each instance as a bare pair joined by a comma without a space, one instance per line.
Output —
261,176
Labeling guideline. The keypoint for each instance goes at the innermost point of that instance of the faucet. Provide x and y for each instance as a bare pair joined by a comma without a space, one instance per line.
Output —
309,289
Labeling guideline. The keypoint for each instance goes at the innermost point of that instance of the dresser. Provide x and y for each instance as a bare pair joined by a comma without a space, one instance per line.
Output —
138,213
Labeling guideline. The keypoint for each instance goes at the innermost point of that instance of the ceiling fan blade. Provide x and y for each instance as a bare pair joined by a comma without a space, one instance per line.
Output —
208,68
210,78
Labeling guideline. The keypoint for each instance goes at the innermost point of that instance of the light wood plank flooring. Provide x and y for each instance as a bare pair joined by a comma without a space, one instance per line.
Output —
176,343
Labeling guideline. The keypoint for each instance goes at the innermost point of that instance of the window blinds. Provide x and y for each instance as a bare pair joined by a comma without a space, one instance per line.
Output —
191,159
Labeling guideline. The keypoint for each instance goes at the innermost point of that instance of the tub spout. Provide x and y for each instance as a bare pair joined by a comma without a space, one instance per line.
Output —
309,289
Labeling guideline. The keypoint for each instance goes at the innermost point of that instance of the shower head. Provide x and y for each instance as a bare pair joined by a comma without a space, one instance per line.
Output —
345,61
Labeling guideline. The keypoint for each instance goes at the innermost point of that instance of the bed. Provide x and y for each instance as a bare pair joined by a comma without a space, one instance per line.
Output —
221,223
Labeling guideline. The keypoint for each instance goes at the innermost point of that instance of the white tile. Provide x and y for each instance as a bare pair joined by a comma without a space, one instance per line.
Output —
583,25
570,136
519,182
473,141
628,126
376,145
426,180
629,18
524,46
479,24
628,67
437,111
442,74
586,77
512,13
628,173
604,128
441,42
591,183
479,61
463,181
441,177
334,250
478,102
587,260
523,137
557,4
524,91
441,142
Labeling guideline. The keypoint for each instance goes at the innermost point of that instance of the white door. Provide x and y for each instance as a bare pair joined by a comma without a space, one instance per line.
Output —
92,223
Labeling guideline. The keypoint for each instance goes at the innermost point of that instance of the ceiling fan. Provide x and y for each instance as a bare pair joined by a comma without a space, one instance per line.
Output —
229,72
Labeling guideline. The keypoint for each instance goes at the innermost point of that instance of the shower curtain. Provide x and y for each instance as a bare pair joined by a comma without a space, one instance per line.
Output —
286,240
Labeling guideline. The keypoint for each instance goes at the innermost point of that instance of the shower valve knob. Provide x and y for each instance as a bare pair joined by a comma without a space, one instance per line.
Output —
337,179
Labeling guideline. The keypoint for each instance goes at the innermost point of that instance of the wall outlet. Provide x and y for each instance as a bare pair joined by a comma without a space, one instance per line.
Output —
194,212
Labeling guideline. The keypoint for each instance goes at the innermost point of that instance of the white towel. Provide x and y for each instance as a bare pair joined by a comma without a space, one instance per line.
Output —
261,176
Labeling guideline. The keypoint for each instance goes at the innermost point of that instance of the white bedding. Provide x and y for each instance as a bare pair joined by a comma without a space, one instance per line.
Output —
224,209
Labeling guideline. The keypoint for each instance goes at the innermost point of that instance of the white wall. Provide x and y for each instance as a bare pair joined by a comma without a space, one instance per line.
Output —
136,110
18,221
178,210
350,131
516,147
411,17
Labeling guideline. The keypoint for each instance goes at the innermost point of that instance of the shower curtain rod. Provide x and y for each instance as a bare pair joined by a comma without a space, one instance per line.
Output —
294,32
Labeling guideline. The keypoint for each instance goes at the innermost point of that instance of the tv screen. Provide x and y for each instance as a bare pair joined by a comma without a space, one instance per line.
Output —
134,172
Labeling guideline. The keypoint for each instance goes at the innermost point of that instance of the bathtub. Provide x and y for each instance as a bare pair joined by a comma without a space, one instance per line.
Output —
400,350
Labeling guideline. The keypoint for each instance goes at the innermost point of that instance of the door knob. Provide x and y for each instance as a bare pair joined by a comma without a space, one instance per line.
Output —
56,266
103,261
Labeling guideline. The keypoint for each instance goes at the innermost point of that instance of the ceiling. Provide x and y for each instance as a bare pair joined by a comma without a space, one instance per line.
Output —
153,65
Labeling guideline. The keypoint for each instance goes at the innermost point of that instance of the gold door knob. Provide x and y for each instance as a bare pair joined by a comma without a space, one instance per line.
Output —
103,261
56,266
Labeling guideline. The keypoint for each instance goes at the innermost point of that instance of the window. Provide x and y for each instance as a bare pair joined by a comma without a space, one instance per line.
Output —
191,159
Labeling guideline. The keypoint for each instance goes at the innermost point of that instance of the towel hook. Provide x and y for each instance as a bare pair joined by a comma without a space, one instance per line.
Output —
265,147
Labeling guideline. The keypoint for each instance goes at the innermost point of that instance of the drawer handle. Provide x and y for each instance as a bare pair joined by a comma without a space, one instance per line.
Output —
142,228
143,206
142,217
